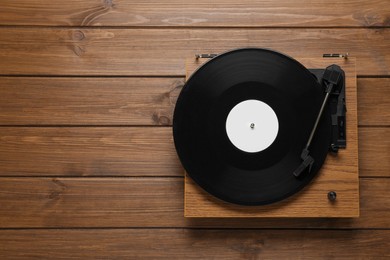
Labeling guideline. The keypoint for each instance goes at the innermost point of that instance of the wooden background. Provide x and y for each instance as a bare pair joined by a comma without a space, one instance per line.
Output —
87,90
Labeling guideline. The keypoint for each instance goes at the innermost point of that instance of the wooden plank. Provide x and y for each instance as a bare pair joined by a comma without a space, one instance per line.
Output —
195,244
32,51
374,101
245,13
374,152
89,151
88,101
131,101
120,151
339,173
130,151
150,202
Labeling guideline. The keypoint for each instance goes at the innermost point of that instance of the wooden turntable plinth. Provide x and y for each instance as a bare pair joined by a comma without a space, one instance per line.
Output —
340,172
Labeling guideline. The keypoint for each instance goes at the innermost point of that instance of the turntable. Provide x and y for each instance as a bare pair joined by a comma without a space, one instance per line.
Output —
260,135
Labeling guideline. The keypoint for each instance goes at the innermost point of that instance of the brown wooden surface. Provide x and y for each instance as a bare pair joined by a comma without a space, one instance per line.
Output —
374,101
137,52
132,101
151,202
195,244
117,178
90,101
339,173
120,151
88,151
222,13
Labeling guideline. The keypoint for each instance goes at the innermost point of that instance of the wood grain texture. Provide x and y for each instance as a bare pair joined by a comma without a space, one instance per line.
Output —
374,101
223,13
162,51
150,202
130,151
90,151
88,101
131,101
312,201
195,244
374,152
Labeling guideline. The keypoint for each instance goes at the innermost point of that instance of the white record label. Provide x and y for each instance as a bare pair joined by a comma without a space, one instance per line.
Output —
252,126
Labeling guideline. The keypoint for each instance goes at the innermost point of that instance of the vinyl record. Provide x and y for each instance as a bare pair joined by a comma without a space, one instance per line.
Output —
241,122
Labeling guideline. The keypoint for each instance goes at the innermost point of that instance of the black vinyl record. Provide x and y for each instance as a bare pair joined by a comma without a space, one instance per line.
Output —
200,126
